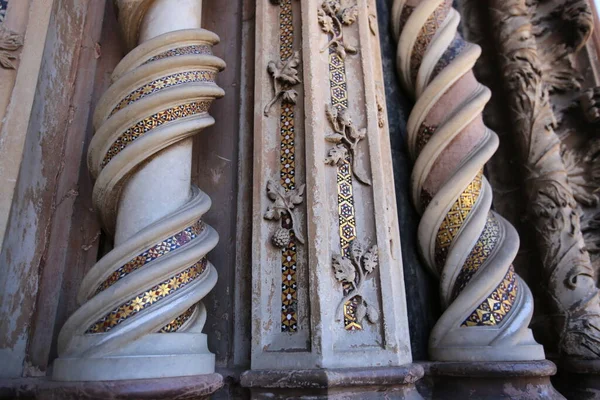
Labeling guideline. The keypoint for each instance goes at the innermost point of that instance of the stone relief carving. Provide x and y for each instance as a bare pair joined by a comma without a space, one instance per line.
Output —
284,204
9,42
556,185
354,271
332,18
345,137
284,75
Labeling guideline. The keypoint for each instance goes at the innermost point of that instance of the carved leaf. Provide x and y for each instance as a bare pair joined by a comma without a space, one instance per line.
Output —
349,15
357,250
336,155
371,259
290,96
361,311
296,196
5,60
344,119
275,211
286,71
358,134
372,315
339,49
332,114
9,40
350,49
325,21
331,6
274,191
344,269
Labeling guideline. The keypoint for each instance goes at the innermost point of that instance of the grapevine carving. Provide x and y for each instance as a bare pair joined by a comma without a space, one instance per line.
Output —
284,204
284,75
9,42
333,17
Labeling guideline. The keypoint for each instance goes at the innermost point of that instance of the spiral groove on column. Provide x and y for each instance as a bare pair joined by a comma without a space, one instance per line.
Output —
487,307
141,303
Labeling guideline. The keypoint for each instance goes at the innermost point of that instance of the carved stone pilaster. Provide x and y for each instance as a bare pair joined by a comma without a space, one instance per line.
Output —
328,295
141,315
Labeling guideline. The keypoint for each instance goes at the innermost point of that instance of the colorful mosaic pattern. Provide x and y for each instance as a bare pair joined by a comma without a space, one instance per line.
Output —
3,7
178,322
427,33
158,250
457,45
455,218
346,212
497,306
479,254
150,296
154,121
287,172
163,83
182,51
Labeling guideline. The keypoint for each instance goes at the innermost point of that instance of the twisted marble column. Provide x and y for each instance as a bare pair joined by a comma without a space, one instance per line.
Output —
141,315
487,307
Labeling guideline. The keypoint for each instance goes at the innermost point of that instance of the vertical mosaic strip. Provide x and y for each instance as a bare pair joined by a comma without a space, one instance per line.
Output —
287,171
346,211
3,7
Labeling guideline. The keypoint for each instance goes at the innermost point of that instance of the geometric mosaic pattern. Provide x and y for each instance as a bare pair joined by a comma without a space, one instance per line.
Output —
479,254
178,322
287,176
154,121
497,305
346,212
427,33
455,218
182,51
148,297
158,250
163,83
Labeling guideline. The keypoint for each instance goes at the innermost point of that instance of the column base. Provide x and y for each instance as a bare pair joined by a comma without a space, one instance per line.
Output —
358,383
197,387
578,379
522,380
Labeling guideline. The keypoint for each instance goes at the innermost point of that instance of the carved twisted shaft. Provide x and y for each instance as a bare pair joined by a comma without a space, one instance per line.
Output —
143,298
471,248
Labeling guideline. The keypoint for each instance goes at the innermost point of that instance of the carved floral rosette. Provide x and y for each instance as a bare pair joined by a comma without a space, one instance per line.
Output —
487,307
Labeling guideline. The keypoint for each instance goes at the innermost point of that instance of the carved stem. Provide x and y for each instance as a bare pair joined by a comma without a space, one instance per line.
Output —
487,306
137,298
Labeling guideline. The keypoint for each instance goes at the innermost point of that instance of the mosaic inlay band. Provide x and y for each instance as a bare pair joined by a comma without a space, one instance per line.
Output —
499,303
158,250
182,51
154,121
150,296
455,218
163,83
479,254
346,211
178,322
287,172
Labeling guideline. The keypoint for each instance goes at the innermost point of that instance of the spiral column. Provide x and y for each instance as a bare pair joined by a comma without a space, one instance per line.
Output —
141,314
487,307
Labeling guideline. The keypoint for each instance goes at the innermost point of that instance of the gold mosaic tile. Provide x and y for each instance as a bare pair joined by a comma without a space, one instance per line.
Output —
456,216
147,298
154,121
479,254
158,250
182,51
499,303
163,83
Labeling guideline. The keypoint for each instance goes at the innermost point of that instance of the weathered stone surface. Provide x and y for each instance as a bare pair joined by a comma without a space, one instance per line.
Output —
368,383
178,388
